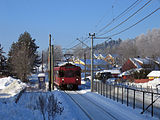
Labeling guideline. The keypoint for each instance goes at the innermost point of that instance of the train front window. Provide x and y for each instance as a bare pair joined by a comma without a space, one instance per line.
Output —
69,73
61,73
77,73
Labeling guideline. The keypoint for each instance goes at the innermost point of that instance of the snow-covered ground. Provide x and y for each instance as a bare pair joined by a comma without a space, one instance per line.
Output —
153,83
26,108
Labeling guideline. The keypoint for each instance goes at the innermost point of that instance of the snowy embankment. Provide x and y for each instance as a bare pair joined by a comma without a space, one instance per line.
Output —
9,87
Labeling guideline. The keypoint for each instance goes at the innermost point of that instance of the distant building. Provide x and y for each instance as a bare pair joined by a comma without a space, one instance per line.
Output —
100,56
111,59
154,74
114,73
98,65
78,61
138,63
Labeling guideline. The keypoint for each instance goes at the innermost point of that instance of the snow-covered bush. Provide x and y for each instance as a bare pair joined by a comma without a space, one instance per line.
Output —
49,106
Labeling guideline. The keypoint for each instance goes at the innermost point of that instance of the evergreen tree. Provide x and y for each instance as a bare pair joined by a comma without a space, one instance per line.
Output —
23,57
3,63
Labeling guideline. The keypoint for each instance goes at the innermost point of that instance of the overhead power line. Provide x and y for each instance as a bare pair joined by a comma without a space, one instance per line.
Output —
126,19
121,14
135,23
78,43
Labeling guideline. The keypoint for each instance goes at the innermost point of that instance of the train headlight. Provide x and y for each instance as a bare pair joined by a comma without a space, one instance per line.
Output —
77,79
62,79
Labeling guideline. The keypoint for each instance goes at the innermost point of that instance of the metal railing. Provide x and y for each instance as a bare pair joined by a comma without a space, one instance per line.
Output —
148,102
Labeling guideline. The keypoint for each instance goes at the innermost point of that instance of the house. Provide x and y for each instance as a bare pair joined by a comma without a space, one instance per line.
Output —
125,75
153,74
99,56
111,59
139,63
97,65
115,73
78,61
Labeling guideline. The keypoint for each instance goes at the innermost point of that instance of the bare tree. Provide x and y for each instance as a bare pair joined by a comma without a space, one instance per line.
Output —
127,49
148,45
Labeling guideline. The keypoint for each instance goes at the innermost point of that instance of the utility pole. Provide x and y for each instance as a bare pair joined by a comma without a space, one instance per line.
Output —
85,65
49,62
42,62
52,67
92,36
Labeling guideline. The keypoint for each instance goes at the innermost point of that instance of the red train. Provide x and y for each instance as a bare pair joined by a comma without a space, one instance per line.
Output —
68,76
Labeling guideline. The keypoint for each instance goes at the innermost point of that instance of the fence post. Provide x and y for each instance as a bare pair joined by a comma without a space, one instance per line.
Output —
143,100
95,86
117,92
127,95
141,87
122,94
107,90
114,93
110,90
98,87
152,104
101,87
134,99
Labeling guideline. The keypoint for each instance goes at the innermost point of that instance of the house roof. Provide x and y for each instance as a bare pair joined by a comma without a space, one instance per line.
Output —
96,55
129,72
154,74
113,55
124,73
142,60
95,62
78,61
135,62
102,55
113,71
41,75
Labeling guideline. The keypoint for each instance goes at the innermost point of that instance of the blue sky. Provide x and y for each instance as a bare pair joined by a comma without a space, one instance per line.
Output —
67,20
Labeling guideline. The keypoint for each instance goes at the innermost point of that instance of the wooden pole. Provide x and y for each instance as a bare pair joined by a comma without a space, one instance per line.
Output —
49,66
52,77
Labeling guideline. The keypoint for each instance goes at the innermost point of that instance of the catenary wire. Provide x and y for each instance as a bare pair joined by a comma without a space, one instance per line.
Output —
135,23
121,15
126,19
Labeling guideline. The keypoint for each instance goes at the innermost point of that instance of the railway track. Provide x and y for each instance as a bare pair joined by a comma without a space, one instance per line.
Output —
91,109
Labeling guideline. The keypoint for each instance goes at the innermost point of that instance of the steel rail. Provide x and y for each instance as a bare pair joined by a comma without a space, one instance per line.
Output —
97,106
85,112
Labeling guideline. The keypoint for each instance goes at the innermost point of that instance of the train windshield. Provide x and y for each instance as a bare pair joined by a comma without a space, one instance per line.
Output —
69,73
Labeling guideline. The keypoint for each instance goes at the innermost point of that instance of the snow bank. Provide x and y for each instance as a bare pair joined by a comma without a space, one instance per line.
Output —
4,82
10,86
